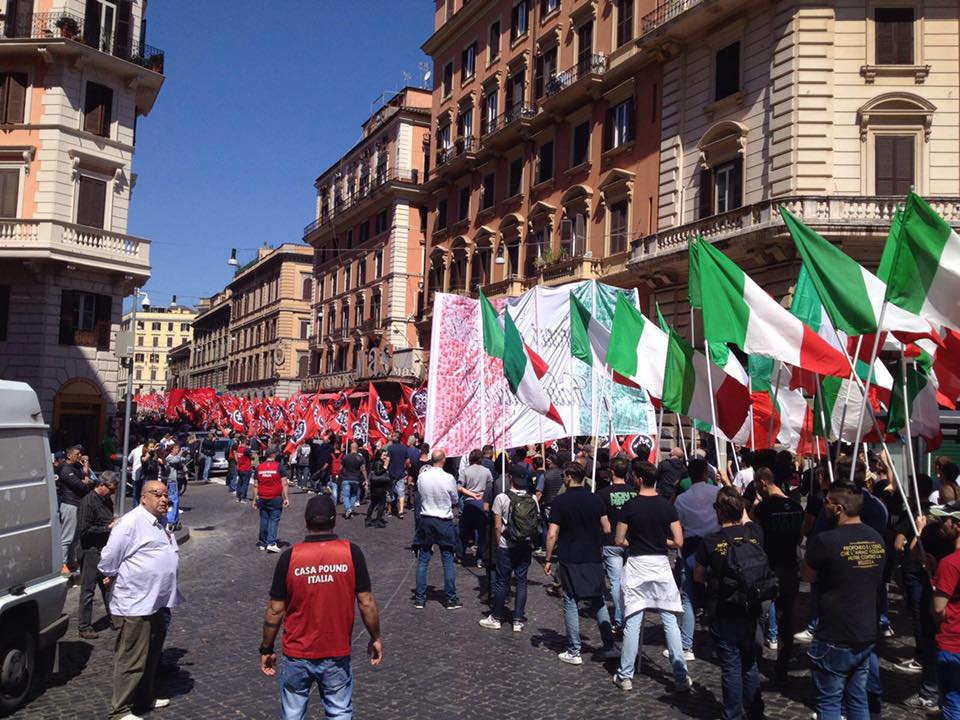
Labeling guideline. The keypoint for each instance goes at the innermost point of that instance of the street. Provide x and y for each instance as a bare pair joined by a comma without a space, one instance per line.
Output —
438,663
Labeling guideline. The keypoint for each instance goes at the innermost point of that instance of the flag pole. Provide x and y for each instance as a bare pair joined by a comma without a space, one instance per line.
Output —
853,373
911,460
596,432
823,426
683,445
776,392
659,431
483,384
866,388
713,404
693,344
753,440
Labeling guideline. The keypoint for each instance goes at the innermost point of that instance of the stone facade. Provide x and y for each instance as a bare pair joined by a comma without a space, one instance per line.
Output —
178,366
211,342
158,331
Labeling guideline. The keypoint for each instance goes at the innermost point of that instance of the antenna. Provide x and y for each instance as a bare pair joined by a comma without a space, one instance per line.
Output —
425,74
406,77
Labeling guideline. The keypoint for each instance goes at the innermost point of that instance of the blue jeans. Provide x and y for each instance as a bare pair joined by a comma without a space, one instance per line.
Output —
688,590
334,677
773,630
840,678
232,475
511,561
331,485
948,676
918,595
269,520
398,488
173,492
631,646
473,527
207,462
571,619
350,492
613,559
243,483
449,574
735,642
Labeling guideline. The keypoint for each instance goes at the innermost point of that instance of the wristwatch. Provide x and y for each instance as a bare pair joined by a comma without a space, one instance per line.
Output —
266,650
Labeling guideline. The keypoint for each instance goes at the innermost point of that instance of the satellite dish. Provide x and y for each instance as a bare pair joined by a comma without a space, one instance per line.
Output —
426,76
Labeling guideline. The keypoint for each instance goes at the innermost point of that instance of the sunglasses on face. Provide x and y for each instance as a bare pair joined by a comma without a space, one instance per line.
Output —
157,493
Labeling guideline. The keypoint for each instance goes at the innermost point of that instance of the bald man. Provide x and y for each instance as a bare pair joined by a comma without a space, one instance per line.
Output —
437,491
672,469
140,562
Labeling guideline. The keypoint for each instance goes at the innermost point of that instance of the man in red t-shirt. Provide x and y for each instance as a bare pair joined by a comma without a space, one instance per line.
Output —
270,498
315,586
946,609
244,468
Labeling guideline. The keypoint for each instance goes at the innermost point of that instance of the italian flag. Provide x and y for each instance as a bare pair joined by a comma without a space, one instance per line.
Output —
637,348
686,388
524,369
924,411
738,311
924,274
588,338
492,332
852,296
773,398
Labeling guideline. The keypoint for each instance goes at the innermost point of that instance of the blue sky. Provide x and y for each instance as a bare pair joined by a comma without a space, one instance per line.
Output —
259,99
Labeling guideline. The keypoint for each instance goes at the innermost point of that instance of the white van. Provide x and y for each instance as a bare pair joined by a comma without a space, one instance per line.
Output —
32,590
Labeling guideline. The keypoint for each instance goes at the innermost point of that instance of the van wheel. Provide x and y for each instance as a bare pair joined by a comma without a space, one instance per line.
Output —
17,664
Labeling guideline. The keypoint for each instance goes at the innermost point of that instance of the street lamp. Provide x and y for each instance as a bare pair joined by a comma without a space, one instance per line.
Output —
233,262
126,414
500,259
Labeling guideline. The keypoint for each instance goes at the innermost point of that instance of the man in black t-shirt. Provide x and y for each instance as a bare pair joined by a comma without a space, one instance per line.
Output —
733,626
672,470
782,522
614,497
847,565
353,473
578,519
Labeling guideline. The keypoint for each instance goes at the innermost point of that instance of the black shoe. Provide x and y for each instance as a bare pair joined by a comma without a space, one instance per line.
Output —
453,604
418,605
368,523
380,524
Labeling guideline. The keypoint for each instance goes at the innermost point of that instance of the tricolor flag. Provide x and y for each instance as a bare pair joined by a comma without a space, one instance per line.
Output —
925,272
924,411
737,310
492,332
524,369
590,340
638,348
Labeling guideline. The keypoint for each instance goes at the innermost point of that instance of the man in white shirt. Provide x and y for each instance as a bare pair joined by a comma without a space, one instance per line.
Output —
437,491
139,563
135,460
745,475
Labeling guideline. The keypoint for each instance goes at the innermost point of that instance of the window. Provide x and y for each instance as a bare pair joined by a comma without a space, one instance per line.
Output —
346,277
493,42
364,231
184,327
13,97
91,201
359,310
138,357
581,144
618,227
362,272
468,62
381,222
153,374
721,188
349,239
97,109
140,340
155,327
463,206
519,19
447,79
727,80
378,264
618,129
894,164
304,329
624,21
545,162
169,342
306,289
9,193
516,90
516,177
169,327
489,184
489,111
4,311
548,6
345,317
584,45
894,36
139,374
537,244
85,319
465,124
546,70
441,214
443,137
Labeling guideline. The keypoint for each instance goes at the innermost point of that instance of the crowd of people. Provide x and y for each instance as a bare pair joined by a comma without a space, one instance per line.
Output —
725,548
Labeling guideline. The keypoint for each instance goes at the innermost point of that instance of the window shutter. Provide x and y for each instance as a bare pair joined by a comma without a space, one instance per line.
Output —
106,112
19,18
91,202
903,32
737,181
903,165
91,24
14,97
510,95
538,81
566,235
93,109
894,171
706,193
580,234
885,42
10,26
68,301
9,188
631,119
608,124
123,44
104,307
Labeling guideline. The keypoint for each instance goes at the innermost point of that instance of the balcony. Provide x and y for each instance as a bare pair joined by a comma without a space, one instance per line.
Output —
512,286
565,269
458,156
328,381
378,184
75,244
506,128
573,85
835,216
71,27
370,326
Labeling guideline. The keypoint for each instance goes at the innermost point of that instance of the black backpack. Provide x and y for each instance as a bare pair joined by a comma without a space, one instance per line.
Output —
747,579
523,524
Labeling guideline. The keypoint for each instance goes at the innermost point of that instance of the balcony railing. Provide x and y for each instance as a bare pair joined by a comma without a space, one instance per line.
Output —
595,64
460,146
370,325
71,27
665,12
71,242
517,112
377,183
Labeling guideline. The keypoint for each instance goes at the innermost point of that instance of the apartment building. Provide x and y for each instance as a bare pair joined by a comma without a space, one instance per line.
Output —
546,126
178,366
159,330
270,300
211,342
76,75
833,110
369,236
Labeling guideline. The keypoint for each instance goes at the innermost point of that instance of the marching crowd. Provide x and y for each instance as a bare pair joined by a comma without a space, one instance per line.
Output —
688,541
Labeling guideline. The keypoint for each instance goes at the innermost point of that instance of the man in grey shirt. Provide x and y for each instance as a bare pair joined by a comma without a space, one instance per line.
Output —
437,491
473,520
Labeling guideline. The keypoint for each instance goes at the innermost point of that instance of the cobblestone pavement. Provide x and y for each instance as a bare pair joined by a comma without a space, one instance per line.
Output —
439,664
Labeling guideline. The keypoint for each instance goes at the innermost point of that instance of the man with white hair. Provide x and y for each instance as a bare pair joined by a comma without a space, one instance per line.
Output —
437,491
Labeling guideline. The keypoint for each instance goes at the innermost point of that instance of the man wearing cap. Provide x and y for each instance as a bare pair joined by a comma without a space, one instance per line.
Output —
322,577
437,491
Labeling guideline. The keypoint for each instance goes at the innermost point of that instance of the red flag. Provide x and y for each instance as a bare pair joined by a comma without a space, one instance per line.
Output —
380,425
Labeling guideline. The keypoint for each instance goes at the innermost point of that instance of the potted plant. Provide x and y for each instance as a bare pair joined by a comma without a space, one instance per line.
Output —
155,63
69,28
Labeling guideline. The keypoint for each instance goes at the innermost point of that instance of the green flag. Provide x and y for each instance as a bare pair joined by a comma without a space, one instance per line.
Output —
492,332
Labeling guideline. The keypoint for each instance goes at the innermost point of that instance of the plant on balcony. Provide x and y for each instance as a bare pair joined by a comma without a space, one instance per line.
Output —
69,28
155,63
549,257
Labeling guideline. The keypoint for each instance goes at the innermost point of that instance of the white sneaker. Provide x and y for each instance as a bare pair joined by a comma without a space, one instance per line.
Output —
804,636
772,644
490,622
569,658
517,626
273,549
623,683
909,666
131,716
160,703
688,655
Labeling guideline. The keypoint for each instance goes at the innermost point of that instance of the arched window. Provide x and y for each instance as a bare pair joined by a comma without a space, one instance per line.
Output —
306,291
894,133
720,180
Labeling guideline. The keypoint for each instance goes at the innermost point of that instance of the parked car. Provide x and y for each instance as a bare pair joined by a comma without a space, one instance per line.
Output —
32,590
220,463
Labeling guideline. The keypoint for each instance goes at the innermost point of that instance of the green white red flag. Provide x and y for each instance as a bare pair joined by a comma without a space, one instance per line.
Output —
523,369
638,348
924,411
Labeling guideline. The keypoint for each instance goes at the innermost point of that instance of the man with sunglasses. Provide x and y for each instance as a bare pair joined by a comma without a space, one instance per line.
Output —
140,562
